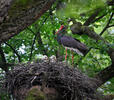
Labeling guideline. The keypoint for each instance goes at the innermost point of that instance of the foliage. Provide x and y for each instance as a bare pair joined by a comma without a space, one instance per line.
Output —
96,60
76,7
4,96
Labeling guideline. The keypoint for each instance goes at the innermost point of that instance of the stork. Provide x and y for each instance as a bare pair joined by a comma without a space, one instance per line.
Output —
70,43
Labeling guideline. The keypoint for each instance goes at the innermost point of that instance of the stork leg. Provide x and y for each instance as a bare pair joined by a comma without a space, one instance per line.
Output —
66,55
72,58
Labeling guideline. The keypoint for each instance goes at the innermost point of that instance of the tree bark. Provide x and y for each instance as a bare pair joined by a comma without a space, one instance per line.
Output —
16,16
105,75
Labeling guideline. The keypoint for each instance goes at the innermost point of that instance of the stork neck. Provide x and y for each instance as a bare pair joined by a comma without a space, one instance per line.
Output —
61,32
59,36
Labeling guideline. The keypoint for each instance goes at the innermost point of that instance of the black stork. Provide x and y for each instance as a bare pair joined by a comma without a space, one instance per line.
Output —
70,43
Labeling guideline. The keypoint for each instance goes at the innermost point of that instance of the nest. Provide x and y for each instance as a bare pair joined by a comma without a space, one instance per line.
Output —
70,83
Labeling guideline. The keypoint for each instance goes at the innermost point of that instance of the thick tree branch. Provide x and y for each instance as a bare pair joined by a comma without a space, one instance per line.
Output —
19,18
18,56
4,6
78,28
108,72
109,97
105,75
92,17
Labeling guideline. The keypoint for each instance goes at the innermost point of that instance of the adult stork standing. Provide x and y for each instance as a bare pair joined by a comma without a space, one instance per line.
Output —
70,43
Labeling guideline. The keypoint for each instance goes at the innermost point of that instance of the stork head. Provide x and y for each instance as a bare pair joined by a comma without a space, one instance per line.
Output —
62,27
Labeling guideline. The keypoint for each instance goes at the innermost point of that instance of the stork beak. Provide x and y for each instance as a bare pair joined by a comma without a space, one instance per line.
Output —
62,26
58,31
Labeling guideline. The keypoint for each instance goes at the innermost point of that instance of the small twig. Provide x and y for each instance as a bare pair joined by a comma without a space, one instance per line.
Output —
18,56
33,79
107,25
110,26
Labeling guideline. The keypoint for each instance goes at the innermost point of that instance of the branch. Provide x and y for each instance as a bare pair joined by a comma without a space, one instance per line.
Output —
39,41
5,66
2,55
19,18
108,97
110,2
4,7
92,17
98,18
108,72
110,26
41,45
80,29
32,47
107,25
104,75
18,56
3,63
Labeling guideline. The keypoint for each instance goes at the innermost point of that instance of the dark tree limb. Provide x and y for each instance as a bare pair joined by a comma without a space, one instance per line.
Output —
92,17
41,45
3,60
105,75
110,26
107,25
18,56
19,18
39,39
78,28
98,18
110,2
4,6
109,97
5,66
36,35
2,54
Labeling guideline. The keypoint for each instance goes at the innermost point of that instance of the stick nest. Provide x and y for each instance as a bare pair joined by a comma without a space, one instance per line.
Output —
70,83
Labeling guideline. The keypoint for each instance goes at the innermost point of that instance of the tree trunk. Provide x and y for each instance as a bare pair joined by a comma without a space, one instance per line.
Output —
16,15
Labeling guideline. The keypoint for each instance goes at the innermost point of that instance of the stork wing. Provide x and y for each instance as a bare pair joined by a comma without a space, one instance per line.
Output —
70,42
